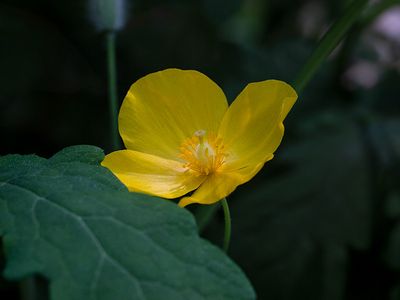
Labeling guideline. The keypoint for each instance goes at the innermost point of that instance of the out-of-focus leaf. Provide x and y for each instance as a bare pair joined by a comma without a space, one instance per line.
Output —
73,222
391,254
386,140
293,231
383,98
48,87
218,11
35,53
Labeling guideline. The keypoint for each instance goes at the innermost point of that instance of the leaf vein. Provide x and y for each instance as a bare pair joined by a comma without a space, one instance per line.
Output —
89,232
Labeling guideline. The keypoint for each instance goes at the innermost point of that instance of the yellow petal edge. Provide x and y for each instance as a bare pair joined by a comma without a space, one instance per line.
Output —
145,173
163,108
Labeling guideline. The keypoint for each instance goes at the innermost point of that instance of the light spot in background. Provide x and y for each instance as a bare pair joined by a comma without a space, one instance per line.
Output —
388,24
312,19
361,74
383,38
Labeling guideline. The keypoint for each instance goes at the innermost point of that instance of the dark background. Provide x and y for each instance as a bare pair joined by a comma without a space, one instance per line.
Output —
321,220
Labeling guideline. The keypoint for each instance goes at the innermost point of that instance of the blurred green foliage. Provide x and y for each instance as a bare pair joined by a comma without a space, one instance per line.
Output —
322,220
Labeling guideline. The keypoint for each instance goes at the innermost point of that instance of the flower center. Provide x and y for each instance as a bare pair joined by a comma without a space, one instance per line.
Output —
203,153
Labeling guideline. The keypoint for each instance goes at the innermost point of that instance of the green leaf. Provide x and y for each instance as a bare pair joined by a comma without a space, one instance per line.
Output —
73,222
82,153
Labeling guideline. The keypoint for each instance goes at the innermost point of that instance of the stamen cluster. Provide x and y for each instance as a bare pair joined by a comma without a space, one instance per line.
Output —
203,153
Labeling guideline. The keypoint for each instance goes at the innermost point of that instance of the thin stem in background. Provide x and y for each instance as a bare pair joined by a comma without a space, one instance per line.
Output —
227,218
329,41
112,90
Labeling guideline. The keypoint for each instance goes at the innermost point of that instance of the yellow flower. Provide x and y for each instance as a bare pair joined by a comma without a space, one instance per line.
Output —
181,136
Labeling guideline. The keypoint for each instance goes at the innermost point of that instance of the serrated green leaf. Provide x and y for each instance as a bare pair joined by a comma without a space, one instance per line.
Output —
75,224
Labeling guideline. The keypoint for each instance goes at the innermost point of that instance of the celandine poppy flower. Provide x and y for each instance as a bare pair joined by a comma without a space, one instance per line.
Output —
181,136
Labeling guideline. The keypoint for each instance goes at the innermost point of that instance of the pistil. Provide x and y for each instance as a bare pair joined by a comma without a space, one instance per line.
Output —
203,152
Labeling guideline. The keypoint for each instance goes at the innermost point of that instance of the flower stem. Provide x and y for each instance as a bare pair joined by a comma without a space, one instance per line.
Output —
112,89
227,217
329,41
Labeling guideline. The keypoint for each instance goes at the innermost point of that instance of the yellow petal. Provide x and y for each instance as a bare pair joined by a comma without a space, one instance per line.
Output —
150,174
252,128
164,108
219,185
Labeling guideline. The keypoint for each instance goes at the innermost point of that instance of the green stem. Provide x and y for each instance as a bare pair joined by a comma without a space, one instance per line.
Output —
227,217
112,90
329,41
